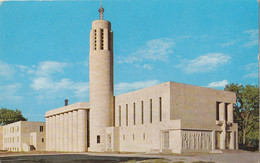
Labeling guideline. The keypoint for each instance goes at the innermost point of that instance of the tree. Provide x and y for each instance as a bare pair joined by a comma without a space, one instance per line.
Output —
246,113
9,116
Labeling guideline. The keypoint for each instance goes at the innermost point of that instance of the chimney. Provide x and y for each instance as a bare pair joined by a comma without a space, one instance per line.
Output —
66,102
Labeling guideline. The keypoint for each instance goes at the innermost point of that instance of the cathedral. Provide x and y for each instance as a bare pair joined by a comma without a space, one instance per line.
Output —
166,118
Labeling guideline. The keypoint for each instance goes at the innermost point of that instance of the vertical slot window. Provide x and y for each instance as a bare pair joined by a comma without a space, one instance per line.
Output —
119,115
102,39
226,111
151,111
98,139
95,39
217,110
142,112
134,112
160,108
126,114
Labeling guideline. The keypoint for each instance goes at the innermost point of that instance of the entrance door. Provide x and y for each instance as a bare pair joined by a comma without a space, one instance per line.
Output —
228,139
217,139
109,142
165,140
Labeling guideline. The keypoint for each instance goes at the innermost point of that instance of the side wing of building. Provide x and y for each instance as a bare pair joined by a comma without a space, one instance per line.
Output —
173,117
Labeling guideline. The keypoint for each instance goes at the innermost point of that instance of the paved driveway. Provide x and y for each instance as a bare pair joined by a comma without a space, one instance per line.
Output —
234,157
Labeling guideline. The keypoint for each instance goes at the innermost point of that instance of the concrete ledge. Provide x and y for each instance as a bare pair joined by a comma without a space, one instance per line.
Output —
64,109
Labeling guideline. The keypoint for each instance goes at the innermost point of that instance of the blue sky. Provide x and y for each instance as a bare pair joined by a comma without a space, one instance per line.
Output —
44,47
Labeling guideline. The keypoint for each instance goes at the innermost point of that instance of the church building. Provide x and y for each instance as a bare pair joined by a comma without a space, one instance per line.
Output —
166,118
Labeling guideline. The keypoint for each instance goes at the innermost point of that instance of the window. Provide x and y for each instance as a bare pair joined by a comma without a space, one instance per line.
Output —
160,108
98,139
95,39
144,136
134,112
126,114
217,110
41,128
133,136
17,139
17,128
142,110
42,139
151,111
123,137
102,39
119,115
226,111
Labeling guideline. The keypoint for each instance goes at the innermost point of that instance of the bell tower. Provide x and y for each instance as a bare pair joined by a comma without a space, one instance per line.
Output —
101,92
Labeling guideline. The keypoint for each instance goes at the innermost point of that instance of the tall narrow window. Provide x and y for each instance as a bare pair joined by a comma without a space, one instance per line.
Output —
217,110
226,111
126,114
142,112
160,108
102,39
119,115
134,112
98,139
95,39
151,111
88,128
41,128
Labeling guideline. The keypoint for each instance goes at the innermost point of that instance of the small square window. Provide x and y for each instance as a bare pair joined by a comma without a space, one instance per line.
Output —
98,139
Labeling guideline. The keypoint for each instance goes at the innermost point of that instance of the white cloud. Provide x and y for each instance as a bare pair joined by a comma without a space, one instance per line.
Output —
9,93
204,63
50,67
253,37
44,83
251,75
144,66
228,43
158,49
127,87
148,66
252,70
222,83
6,70
251,67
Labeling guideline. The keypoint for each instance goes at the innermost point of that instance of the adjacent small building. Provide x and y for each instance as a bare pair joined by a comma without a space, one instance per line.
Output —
24,136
